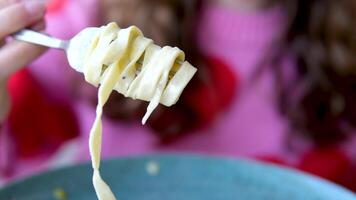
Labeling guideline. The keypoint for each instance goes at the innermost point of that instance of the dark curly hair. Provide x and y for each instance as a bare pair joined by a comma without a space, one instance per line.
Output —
322,36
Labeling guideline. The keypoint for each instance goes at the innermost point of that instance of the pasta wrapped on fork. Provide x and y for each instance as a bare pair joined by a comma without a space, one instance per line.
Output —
125,61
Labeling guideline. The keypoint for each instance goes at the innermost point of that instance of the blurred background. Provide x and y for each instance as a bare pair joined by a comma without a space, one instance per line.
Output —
276,82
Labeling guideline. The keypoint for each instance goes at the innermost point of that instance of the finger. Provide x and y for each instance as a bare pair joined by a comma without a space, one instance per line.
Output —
15,55
20,15
39,26
5,3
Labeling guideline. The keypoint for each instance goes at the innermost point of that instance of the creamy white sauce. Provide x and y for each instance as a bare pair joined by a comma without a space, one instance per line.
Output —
136,68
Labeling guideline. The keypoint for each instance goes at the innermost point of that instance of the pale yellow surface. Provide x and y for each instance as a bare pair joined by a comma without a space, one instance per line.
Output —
125,61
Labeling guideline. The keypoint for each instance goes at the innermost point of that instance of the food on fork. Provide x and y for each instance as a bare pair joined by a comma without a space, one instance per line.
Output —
125,61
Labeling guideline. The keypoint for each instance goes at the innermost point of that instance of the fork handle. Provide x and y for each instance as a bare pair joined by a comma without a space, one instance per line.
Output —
34,37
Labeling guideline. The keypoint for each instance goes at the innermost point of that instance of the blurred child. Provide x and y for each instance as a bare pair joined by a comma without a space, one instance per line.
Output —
275,82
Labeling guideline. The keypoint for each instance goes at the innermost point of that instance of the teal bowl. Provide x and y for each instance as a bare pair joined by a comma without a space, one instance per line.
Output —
178,177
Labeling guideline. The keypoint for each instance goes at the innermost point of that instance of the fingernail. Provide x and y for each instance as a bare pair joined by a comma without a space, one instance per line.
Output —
35,7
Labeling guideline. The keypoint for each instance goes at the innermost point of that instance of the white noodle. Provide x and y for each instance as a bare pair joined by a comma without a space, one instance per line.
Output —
125,61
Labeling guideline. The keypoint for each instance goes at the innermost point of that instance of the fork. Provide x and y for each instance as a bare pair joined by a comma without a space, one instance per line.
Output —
75,48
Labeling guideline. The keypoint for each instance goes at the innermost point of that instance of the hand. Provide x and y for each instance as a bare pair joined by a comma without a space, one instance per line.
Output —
14,16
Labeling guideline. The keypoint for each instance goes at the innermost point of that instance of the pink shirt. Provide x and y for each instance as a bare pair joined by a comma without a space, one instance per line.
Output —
252,125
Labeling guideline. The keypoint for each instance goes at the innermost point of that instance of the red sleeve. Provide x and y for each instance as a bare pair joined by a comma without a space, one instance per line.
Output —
38,124
210,92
